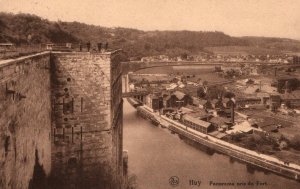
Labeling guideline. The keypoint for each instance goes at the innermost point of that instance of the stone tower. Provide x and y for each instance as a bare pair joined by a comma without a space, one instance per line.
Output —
87,120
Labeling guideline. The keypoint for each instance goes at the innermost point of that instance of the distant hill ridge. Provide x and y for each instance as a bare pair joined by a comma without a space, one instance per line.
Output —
24,28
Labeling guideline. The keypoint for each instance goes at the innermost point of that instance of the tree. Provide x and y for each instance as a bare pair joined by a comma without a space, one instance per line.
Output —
147,46
184,56
295,142
214,92
238,137
201,92
228,94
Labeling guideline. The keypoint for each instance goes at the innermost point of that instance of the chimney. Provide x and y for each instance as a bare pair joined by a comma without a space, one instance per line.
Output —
286,87
259,85
232,111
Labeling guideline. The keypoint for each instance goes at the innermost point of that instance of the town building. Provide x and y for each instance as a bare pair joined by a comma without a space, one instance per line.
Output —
154,102
287,84
291,100
219,122
275,102
183,99
296,59
176,99
242,102
218,104
266,126
197,124
169,101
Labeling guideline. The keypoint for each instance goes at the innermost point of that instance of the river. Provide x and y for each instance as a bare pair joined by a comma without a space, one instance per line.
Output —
155,155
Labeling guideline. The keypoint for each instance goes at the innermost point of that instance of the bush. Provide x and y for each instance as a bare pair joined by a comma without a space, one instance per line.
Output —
201,93
250,144
265,149
238,137
283,145
229,94
295,142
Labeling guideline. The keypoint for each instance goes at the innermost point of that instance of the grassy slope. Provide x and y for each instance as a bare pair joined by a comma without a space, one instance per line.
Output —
24,28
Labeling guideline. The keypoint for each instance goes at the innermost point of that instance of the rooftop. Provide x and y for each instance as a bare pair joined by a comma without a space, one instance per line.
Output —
196,121
180,95
265,123
294,95
219,120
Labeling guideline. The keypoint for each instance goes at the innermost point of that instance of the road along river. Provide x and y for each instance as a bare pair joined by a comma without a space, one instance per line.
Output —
156,155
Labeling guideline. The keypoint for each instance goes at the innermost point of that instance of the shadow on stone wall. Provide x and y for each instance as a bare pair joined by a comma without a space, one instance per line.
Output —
39,179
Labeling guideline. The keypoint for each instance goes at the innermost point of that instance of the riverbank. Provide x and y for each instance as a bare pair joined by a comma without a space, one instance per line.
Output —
269,163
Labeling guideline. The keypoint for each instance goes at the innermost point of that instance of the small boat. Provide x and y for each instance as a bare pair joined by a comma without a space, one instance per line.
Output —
164,125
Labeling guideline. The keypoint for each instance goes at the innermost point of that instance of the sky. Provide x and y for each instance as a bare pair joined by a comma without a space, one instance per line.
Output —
269,18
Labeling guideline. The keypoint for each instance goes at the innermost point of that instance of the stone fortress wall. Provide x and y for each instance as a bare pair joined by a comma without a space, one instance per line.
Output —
61,118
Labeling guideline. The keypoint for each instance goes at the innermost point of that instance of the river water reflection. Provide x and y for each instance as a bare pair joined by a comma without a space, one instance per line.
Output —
155,155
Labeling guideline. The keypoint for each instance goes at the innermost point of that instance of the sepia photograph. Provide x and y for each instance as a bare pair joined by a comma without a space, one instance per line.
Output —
149,94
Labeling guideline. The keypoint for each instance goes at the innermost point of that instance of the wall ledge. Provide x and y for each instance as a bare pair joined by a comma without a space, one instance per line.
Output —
8,62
